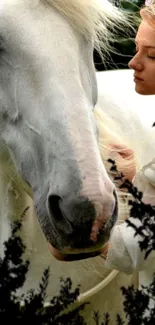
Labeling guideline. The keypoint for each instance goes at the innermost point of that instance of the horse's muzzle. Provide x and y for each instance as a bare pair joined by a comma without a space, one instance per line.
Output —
80,254
82,233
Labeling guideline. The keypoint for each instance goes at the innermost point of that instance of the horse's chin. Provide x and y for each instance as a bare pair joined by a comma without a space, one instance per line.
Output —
73,257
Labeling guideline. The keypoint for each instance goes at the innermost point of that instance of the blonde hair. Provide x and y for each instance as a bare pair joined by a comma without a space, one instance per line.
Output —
111,133
148,13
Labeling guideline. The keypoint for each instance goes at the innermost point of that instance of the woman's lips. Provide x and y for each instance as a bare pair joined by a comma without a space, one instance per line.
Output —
136,78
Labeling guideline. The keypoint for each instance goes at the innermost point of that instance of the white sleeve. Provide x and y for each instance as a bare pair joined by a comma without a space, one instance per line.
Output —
124,253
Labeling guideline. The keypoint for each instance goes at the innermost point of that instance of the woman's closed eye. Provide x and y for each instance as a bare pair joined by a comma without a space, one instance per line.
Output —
151,56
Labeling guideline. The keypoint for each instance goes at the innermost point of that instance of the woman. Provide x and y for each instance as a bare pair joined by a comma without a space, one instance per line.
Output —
143,63
123,251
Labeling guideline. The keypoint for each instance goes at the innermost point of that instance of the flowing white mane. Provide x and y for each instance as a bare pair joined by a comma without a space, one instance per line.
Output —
97,20
93,18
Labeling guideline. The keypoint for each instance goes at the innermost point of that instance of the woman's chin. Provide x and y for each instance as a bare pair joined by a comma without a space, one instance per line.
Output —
143,90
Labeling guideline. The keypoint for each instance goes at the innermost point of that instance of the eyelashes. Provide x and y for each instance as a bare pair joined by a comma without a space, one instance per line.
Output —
151,57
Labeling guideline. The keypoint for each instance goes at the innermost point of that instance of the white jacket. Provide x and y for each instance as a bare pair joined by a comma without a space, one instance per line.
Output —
124,252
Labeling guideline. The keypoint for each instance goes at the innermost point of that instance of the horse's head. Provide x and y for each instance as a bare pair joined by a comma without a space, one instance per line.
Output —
47,94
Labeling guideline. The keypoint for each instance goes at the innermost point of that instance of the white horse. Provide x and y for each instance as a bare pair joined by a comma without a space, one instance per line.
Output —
48,91
48,136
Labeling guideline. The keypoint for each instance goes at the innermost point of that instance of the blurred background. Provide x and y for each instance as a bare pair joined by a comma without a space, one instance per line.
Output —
123,46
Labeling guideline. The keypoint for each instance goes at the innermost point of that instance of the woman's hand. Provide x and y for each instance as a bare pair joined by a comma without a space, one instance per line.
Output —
124,159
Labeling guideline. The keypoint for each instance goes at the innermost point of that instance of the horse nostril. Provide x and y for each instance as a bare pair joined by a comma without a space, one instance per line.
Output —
54,207
58,216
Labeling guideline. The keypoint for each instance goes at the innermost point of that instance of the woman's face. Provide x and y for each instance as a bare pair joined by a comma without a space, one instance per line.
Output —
143,63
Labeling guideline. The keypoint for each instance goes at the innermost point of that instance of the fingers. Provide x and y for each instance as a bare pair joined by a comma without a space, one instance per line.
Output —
122,150
124,159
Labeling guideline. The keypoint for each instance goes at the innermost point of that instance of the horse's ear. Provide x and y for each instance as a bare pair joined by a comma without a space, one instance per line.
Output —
153,124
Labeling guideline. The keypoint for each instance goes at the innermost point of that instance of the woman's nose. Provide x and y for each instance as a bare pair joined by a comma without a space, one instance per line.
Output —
135,64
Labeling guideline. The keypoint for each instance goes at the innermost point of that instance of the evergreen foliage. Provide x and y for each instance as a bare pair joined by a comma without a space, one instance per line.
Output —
30,308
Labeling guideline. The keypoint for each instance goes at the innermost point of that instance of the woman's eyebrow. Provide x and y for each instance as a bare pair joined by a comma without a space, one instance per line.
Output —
145,45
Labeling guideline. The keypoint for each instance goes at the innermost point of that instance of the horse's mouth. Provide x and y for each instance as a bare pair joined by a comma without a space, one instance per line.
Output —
73,257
